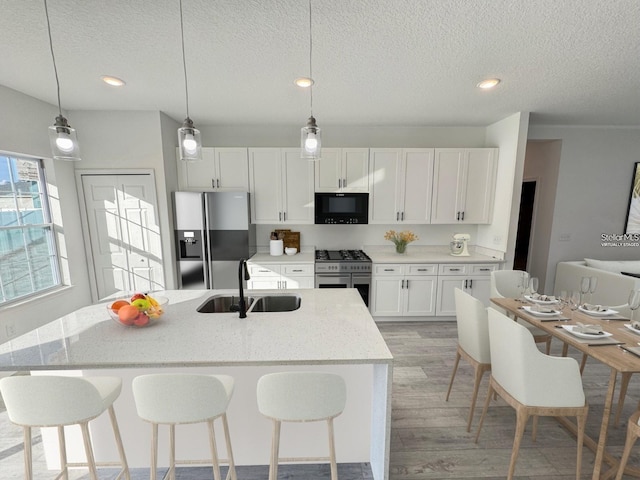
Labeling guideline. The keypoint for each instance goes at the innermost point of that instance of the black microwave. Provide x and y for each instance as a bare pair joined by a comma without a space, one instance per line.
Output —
342,208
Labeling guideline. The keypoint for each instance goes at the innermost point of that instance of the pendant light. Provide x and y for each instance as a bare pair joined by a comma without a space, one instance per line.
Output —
310,138
63,139
188,136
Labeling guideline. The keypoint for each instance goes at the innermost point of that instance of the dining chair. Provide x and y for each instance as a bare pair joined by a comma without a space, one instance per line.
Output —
633,432
473,342
504,284
533,383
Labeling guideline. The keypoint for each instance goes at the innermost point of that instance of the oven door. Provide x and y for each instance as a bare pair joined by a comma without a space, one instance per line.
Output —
333,280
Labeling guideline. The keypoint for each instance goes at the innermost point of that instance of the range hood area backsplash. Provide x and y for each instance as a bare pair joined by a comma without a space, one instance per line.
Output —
356,236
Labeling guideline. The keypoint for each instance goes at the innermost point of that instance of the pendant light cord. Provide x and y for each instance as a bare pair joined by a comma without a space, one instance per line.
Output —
53,57
310,56
184,62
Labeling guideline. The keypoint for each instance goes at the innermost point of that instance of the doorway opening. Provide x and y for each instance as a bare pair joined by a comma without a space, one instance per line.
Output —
525,221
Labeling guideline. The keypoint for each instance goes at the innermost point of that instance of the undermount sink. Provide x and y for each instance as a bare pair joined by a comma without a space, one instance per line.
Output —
222,304
267,303
276,303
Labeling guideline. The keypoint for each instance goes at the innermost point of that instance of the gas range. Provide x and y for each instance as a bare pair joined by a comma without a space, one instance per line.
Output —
342,261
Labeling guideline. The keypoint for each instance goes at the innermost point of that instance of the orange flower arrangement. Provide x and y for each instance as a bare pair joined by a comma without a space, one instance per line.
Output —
400,239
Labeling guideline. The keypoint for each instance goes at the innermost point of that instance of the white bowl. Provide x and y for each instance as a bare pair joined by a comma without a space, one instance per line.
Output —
290,250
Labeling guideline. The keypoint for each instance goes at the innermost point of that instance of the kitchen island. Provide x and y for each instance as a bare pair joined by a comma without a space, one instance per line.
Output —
331,331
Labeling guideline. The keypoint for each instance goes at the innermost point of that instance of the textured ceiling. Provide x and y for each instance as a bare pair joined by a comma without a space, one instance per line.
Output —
375,62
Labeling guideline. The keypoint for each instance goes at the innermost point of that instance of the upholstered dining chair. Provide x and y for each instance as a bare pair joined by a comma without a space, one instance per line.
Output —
504,284
533,383
473,342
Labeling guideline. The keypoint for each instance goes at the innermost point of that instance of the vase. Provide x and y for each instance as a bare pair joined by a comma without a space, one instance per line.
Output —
401,247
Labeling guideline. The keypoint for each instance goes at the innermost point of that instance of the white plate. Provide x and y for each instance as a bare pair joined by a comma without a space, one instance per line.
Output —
598,314
634,330
541,302
569,328
530,310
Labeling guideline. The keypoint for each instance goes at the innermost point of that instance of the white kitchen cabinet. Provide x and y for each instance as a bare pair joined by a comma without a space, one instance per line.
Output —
475,279
281,186
221,169
400,185
463,185
342,170
280,276
404,290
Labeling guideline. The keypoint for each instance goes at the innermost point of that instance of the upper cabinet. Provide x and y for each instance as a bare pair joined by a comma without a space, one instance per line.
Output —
343,170
400,184
221,169
463,185
281,186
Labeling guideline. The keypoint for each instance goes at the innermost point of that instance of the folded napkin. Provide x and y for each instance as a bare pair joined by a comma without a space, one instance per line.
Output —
594,308
544,309
588,329
543,298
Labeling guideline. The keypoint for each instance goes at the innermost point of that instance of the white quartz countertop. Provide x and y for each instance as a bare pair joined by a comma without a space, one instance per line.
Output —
300,257
425,254
332,326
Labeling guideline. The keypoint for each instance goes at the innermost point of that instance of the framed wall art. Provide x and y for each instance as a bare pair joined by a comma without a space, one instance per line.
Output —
633,213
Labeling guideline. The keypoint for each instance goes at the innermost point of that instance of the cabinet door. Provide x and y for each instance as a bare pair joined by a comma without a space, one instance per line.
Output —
421,296
264,283
447,170
232,169
355,169
416,185
478,185
298,282
329,171
481,289
384,165
388,297
265,183
198,175
297,181
446,304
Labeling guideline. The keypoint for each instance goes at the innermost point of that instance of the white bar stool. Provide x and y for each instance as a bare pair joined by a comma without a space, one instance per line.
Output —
177,398
301,397
56,401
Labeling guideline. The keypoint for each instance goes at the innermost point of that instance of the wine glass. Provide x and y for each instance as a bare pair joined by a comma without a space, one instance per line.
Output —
634,302
575,299
533,285
584,287
593,283
522,285
563,299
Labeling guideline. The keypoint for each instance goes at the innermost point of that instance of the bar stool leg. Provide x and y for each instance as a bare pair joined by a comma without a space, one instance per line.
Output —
154,451
116,433
227,439
91,461
172,452
62,446
214,450
28,472
275,451
332,451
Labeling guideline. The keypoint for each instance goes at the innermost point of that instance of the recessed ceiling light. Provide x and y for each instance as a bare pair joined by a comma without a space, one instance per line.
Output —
488,83
304,82
113,81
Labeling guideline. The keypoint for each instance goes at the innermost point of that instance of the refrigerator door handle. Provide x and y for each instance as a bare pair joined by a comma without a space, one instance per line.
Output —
206,247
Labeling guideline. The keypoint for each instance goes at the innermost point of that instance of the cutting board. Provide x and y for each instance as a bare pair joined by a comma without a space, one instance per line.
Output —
291,239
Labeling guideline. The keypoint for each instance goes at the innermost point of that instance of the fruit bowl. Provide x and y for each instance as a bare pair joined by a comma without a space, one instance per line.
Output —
139,311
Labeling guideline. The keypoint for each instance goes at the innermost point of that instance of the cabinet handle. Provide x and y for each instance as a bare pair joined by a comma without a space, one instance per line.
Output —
284,216
284,284
339,183
407,283
401,283
344,183
296,270
485,269
397,216
280,216
463,216
402,216
218,183
213,183
471,283
465,284
458,216
264,271
454,269
422,270
389,270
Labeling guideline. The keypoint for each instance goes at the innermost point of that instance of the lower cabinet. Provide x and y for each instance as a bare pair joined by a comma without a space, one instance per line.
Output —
404,290
280,276
475,279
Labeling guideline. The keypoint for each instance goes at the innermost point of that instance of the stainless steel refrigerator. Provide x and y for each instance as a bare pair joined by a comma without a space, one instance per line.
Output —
213,231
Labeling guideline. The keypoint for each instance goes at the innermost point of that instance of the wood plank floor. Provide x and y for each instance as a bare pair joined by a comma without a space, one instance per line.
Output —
429,438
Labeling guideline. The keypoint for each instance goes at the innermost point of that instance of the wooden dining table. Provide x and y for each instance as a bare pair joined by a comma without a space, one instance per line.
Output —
617,355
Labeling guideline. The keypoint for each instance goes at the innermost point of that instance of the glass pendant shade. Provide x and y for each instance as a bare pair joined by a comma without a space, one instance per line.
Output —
311,140
63,139
189,142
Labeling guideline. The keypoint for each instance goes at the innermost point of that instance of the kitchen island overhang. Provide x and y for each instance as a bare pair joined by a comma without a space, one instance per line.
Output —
331,331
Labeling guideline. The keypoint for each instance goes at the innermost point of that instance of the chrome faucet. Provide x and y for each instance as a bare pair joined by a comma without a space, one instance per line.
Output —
242,306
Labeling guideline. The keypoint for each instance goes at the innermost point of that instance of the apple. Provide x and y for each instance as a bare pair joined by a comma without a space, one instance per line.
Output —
141,320
136,296
142,304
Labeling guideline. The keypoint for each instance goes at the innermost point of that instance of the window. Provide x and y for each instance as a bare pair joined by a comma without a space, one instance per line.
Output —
28,254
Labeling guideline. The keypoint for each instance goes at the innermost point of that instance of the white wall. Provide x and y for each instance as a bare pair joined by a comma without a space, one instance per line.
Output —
169,132
24,130
594,181
510,136
542,164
